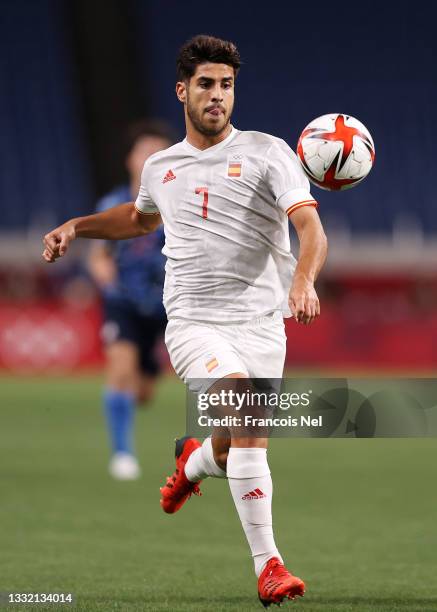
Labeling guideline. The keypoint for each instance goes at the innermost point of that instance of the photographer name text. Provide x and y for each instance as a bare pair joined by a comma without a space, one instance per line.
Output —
251,421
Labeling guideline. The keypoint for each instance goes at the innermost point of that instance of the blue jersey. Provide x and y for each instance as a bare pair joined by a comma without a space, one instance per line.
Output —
140,264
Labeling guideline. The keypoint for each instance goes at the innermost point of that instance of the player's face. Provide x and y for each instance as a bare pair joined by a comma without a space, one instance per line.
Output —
209,97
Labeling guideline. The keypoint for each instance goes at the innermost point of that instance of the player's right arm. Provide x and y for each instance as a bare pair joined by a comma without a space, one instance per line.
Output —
117,223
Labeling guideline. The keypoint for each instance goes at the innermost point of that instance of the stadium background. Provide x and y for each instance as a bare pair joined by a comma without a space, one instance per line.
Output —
73,74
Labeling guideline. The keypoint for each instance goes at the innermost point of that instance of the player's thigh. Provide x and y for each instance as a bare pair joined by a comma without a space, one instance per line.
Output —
152,332
120,337
200,354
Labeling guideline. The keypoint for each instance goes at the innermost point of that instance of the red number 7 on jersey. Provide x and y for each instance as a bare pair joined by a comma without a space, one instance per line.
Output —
204,190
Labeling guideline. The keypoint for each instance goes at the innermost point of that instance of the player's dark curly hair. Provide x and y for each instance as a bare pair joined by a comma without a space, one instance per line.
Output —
204,48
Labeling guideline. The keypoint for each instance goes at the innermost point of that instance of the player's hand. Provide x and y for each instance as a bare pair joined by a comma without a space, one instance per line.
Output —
303,301
57,241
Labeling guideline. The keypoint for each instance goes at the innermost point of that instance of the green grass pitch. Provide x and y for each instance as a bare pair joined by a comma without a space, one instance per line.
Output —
357,519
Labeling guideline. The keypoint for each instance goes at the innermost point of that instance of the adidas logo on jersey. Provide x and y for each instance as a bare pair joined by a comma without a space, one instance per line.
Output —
170,176
255,494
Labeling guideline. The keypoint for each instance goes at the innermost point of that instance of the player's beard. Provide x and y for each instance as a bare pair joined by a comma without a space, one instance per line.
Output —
196,119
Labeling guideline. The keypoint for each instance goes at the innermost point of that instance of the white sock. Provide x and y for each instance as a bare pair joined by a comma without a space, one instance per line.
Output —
201,464
251,487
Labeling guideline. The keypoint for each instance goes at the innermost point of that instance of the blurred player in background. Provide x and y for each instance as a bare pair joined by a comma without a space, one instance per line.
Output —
224,197
130,275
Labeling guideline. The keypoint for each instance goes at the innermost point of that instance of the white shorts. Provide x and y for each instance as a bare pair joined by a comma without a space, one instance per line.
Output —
206,351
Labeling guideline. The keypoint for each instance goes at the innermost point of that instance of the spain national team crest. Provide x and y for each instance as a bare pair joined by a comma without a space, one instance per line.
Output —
235,166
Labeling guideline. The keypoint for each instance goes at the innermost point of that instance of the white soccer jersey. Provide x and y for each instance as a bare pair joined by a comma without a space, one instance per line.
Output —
226,227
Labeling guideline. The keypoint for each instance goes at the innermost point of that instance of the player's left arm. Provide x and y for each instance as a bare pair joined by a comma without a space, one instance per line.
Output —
117,223
313,248
121,222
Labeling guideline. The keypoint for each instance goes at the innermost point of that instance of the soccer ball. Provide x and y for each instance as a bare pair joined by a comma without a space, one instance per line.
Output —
336,151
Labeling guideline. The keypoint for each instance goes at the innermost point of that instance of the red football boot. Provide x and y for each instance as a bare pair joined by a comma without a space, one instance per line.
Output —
178,488
276,583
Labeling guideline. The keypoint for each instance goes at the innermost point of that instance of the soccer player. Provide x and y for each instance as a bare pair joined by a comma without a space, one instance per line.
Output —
130,274
224,197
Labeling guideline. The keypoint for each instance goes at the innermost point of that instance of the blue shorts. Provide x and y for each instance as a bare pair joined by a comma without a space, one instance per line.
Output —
122,321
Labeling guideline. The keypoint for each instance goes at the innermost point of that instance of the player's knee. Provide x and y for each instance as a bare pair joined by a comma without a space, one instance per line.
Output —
122,380
122,366
221,458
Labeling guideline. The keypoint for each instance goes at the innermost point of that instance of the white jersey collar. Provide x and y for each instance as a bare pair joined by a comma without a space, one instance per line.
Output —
214,148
